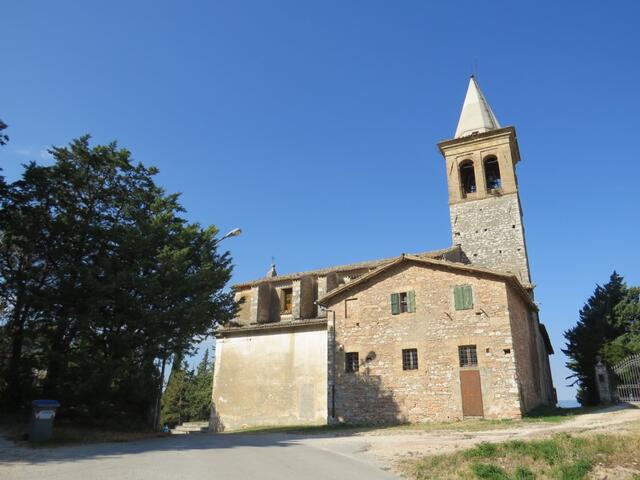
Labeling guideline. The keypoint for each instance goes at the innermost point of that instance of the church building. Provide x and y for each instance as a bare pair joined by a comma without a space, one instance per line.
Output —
428,336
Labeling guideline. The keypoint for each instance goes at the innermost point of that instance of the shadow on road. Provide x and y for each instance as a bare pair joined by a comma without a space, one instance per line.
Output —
10,452
367,388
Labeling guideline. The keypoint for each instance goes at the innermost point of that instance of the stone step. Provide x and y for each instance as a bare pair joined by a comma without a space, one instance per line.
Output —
196,424
187,429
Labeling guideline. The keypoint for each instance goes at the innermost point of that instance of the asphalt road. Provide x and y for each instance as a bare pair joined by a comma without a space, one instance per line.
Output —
201,457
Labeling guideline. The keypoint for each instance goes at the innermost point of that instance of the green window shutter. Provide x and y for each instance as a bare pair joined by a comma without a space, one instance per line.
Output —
457,297
395,304
411,301
467,296
463,297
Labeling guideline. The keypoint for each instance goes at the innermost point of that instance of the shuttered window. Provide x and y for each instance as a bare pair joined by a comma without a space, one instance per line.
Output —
463,297
395,303
403,302
411,301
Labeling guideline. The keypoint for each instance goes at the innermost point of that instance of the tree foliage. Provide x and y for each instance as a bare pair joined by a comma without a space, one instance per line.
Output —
4,138
627,318
200,404
188,393
176,397
608,327
101,281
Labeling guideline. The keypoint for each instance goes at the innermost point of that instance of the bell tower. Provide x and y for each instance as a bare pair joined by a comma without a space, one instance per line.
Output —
484,204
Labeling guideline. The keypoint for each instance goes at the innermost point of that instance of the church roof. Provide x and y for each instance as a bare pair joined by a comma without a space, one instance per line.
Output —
476,115
432,262
346,268
546,339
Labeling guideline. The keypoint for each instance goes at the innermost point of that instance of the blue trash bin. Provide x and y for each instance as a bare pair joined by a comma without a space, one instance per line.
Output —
42,416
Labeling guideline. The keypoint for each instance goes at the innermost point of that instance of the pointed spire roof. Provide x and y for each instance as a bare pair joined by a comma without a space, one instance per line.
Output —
476,115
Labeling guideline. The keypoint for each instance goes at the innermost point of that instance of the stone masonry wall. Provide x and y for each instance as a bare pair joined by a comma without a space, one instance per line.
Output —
546,380
524,351
244,313
382,391
532,364
491,233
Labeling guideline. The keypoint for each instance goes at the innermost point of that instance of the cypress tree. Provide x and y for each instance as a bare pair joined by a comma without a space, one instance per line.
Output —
596,327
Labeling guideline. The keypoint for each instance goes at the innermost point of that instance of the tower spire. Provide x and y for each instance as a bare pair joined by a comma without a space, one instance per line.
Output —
476,115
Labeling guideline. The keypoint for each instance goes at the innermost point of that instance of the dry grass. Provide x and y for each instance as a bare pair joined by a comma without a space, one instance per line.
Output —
562,457
543,415
66,433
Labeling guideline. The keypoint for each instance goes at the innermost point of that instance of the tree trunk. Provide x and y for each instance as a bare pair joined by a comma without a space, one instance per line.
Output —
156,415
14,365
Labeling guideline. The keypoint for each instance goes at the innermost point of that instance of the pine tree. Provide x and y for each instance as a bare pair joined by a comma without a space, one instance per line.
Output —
627,318
200,401
596,327
176,399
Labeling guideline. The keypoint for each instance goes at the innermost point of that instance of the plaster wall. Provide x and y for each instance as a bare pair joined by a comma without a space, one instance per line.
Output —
276,378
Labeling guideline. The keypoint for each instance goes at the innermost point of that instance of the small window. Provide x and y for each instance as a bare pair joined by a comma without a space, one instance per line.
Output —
349,305
467,177
463,297
351,362
403,302
492,174
287,300
468,356
410,359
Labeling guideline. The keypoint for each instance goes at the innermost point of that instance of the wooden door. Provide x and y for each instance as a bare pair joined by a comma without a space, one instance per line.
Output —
471,390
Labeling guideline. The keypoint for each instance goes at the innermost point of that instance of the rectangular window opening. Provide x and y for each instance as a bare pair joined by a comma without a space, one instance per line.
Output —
403,302
349,307
286,300
351,362
410,359
468,356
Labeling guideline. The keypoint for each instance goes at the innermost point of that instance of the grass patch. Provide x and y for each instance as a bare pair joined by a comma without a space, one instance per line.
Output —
556,414
561,457
482,450
300,429
539,415
67,433
489,471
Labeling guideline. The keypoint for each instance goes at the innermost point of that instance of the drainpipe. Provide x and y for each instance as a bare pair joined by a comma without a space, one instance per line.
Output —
333,366
333,362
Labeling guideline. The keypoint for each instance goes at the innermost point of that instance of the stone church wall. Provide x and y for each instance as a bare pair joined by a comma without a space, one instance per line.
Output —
532,360
491,233
381,391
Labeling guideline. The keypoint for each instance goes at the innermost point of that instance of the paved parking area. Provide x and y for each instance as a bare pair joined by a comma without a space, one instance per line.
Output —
242,457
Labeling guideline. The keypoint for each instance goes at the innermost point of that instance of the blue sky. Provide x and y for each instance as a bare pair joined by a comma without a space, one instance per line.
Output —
313,125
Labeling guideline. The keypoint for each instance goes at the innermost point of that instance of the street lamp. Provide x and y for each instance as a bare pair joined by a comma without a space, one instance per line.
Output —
232,233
